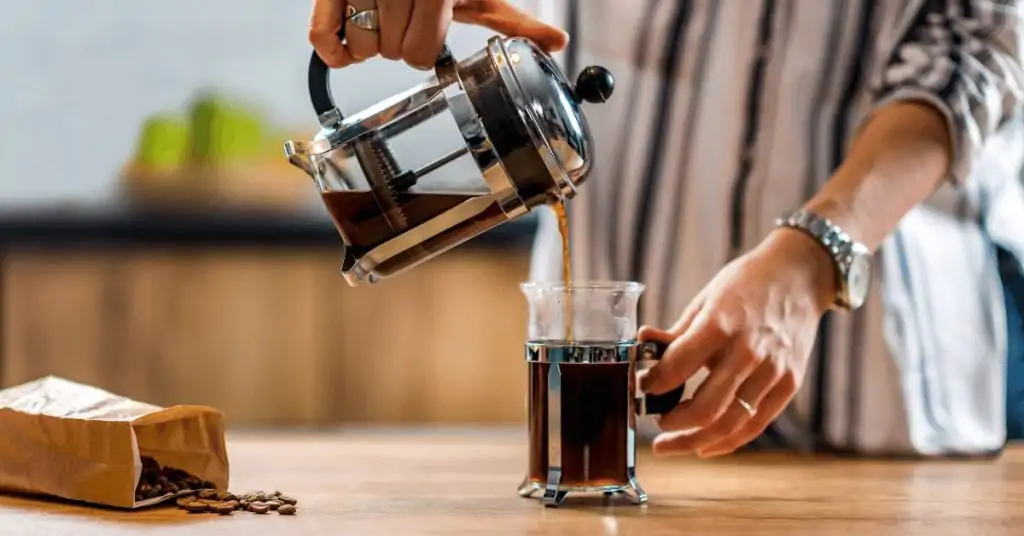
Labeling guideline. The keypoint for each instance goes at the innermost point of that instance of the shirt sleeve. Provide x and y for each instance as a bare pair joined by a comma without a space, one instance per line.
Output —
964,58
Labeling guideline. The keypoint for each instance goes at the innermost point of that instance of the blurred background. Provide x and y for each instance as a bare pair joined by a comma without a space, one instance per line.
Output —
155,242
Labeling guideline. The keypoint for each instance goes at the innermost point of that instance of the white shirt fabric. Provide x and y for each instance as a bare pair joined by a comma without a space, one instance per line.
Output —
728,113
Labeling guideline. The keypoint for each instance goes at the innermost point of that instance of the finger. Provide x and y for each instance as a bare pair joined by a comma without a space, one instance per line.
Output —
394,20
761,382
686,319
716,394
770,408
504,18
649,333
428,26
683,442
324,24
753,390
686,355
362,44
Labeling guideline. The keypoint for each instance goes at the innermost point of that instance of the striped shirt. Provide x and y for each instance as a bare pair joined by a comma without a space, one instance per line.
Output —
728,113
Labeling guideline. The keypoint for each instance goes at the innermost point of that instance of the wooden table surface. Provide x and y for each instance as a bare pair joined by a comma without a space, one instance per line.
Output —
404,481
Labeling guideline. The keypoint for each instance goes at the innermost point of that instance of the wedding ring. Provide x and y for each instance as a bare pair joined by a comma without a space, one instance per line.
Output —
746,405
364,20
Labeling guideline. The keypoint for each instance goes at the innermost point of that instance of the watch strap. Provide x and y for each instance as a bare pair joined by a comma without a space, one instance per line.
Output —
840,247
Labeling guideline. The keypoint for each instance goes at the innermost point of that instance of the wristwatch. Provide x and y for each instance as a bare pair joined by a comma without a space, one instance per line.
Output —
852,260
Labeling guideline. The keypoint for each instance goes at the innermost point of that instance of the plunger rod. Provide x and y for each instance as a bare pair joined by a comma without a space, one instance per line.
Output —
406,180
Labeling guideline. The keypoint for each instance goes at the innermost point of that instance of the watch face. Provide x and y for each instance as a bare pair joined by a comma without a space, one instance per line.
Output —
858,279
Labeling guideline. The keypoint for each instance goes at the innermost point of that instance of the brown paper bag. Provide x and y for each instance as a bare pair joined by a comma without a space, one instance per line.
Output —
82,443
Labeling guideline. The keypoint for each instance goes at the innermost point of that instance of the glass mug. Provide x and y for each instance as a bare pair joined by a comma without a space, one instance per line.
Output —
582,358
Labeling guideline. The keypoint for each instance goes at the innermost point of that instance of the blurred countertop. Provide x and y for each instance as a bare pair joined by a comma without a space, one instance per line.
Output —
125,225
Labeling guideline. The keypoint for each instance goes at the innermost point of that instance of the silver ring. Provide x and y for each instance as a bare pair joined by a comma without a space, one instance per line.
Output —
364,20
746,405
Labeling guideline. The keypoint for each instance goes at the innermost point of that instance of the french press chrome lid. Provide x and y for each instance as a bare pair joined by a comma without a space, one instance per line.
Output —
519,120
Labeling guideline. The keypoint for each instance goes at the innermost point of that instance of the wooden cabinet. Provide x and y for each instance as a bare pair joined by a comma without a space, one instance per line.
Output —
273,336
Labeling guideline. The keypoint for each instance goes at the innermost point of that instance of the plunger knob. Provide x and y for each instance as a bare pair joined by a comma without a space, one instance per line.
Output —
595,84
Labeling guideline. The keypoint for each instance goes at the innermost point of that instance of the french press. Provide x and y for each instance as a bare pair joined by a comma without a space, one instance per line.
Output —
520,122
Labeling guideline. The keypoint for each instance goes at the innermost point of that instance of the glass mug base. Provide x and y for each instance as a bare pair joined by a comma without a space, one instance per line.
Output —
555,494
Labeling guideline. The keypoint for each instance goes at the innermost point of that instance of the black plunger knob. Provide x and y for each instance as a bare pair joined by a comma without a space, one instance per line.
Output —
594,84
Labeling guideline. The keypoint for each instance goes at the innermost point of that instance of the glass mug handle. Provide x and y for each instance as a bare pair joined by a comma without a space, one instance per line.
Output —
651,352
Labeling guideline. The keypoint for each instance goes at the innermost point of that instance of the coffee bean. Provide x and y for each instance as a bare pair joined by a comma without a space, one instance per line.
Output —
274,505
208,494
197,507
159,481
243,504
275,494
223,508
259,508
228,496
287,510
287,500
182,502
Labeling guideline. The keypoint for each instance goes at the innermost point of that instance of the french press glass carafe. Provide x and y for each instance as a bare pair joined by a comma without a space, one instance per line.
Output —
520,122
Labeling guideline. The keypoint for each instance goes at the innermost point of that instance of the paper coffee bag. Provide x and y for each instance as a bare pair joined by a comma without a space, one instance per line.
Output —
78,442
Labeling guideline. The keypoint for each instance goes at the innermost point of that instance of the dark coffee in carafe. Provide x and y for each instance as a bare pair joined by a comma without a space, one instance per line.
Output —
364,225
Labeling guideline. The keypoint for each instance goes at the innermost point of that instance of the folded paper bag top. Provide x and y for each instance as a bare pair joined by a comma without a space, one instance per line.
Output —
82,443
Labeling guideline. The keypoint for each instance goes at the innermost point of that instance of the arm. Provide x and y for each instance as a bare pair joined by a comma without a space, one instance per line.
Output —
954,78
951,81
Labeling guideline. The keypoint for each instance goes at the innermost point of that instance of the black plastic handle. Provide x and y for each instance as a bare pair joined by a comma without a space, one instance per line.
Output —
319,80
660,404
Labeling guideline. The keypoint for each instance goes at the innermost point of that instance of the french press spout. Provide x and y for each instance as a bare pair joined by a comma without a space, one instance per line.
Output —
512,113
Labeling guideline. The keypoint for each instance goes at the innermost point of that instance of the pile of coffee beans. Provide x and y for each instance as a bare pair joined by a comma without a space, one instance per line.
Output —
199,496
158,480
225,503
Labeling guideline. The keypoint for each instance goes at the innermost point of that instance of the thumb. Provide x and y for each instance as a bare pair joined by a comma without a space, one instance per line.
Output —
649,333
506,19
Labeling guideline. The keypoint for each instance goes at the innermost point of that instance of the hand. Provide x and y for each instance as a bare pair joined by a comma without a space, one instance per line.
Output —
415,30
753,327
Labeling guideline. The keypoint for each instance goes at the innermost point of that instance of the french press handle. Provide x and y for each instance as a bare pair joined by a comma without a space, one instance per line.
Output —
319,80
658,404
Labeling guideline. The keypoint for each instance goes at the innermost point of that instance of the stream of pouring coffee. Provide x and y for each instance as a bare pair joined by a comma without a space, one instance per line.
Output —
563,228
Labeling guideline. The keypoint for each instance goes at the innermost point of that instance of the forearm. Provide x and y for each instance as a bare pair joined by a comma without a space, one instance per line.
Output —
897,161
899,158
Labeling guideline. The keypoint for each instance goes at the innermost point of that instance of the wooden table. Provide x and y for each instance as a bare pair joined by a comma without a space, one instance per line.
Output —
403,481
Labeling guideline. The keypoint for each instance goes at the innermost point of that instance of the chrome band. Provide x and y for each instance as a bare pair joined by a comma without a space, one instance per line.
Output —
540,352
364,20
746,405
